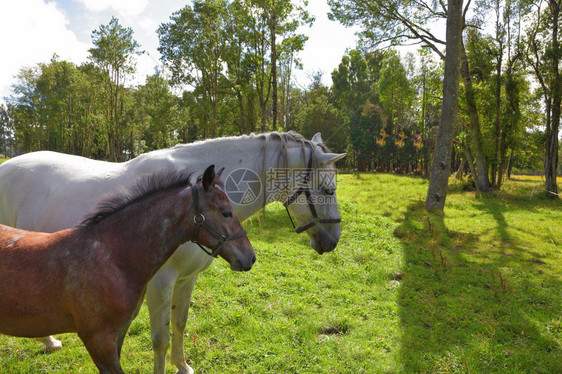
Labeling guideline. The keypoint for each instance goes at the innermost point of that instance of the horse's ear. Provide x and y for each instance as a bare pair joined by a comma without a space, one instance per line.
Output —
218,173
208,177
326,158
317,138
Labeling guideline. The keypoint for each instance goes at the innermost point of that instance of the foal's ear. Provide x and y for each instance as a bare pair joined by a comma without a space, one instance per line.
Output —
208,177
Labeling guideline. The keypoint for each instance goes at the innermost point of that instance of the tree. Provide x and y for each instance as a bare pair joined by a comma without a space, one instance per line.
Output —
319,114
396,92
6,132
354,81
275,27
429,86
544,56
440,168
397,22
114,48
157,115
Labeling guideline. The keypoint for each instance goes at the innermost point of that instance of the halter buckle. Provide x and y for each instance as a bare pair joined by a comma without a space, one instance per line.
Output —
199,219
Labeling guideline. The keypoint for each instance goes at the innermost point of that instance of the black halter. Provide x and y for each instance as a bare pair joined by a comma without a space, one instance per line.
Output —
200,221
306,190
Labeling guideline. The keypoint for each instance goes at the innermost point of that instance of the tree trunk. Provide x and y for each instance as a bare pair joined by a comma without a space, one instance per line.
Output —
470,161
497,122
510,165
552,128
439,178
244,129
482,181
460,170
272,30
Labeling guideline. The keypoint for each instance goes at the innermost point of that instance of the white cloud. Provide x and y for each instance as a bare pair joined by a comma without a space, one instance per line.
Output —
326,45
31,32
124,7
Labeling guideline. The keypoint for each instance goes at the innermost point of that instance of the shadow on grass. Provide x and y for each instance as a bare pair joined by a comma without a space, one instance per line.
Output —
469,306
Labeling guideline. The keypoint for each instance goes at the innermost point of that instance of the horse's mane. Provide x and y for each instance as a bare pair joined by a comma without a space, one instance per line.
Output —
291,137
284,137
146,186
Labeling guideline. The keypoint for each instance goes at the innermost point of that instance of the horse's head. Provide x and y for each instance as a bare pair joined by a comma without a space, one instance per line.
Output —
314,204
219,228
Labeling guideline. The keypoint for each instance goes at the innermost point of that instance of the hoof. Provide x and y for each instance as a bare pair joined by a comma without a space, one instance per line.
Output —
51,344
185,370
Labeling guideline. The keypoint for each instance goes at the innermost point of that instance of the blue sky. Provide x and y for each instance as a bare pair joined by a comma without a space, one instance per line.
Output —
31,31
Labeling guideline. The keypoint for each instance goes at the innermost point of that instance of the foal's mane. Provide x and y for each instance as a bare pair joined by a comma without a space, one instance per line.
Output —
147,185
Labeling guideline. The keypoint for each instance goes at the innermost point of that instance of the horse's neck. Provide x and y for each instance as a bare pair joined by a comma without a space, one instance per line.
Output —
142,236
245,152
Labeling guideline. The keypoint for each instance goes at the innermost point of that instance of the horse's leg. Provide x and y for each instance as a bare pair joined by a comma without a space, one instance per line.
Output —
51,344
180,308
158,299
102,347
123,331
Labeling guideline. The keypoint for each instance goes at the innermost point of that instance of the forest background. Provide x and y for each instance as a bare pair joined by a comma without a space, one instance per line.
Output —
234,75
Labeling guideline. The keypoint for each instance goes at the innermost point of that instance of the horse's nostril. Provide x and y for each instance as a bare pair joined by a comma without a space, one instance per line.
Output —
254,259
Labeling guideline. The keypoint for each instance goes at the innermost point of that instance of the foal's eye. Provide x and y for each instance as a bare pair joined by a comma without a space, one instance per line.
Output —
227,214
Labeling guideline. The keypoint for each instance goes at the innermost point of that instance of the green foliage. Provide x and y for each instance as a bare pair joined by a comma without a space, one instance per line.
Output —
321,115
160,116
396,92
229,58
6,132
354,80
363,130
114,48
377,94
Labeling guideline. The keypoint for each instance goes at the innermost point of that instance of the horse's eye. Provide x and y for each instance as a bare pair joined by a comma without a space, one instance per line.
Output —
227,214
330,191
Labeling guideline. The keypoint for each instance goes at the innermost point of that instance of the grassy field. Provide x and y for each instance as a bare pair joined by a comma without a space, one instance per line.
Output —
475,291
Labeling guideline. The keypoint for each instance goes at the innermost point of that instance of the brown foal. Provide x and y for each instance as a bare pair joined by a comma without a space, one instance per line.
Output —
91,280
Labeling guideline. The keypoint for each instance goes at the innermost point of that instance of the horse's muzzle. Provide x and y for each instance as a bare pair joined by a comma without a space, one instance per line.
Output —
323,245
244,265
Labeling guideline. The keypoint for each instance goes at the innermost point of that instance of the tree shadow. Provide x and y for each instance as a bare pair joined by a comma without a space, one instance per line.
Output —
475,302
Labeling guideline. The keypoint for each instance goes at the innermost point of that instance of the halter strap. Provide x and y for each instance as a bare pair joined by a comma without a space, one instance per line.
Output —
200,221
311,206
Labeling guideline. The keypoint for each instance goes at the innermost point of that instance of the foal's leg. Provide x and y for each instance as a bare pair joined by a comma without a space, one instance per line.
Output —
123,330
102,347
51,344
180,308
158,299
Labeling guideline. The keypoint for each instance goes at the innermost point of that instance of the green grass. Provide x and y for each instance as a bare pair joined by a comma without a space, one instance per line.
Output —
3,159
474,291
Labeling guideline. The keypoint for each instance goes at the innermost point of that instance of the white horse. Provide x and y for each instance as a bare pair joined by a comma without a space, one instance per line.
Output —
48,191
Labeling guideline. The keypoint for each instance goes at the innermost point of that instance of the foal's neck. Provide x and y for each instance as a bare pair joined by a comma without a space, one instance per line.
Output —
143,235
